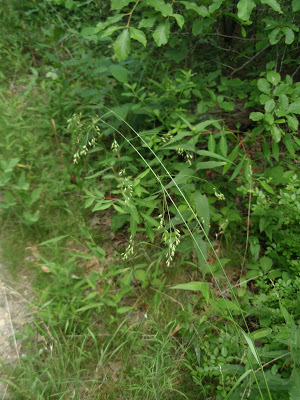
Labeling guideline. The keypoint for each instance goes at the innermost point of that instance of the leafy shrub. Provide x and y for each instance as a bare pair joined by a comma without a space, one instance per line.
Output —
175,123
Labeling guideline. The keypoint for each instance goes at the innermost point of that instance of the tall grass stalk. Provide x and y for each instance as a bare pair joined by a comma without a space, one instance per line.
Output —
239,329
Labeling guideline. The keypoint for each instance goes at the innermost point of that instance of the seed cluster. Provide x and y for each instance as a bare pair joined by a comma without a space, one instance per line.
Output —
85,133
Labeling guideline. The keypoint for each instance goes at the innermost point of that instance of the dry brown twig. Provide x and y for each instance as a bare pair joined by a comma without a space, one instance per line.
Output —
55,132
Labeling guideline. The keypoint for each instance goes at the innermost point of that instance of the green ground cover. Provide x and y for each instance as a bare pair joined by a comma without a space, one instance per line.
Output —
149,183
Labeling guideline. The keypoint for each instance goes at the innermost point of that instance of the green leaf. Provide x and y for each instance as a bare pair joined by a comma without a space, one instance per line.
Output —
134,213
201,251
275,35
227,105
143,174
289,145
149,231
5,205
269,118
296,140
31,218
109,21
118,220
159,5
251,345
273,77
294,107
209,164
224,304
88,31
22,184
138,35
35,195
200,10
121,111
140,275
206,153
161,33
293,122
176,138
89,307
195,286
256,116
10,165
122,45
264,86
9,198
269,106
295,379
97,251
182,177
261,333
211,143
110,30
200,24
133,226
119,73
89,202
252,275
223,145
201,127
296,5
224,351
272,3
283,102
238,382
267,187
151,221
263,98
147,22
245,8
266,262
216,4
119,4
202,208
286,315
289,35
124,309
231,158
202,107
69,4
101,205
276,133
237,170
54,240
179,19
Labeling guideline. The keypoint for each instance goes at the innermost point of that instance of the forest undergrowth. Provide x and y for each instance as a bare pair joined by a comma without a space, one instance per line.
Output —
149,184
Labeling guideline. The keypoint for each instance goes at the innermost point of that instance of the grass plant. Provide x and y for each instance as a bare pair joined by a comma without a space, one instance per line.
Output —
149,221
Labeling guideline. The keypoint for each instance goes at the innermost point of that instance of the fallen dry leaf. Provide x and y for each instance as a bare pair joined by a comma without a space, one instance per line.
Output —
178,327
94,221
34,256
45,269
92,263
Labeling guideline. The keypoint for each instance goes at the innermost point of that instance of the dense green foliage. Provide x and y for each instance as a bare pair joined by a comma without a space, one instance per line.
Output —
149,166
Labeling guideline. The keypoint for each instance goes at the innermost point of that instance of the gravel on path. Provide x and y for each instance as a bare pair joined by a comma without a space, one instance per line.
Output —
14,313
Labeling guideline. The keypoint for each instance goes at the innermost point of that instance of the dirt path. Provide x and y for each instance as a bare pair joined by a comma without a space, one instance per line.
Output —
13,316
